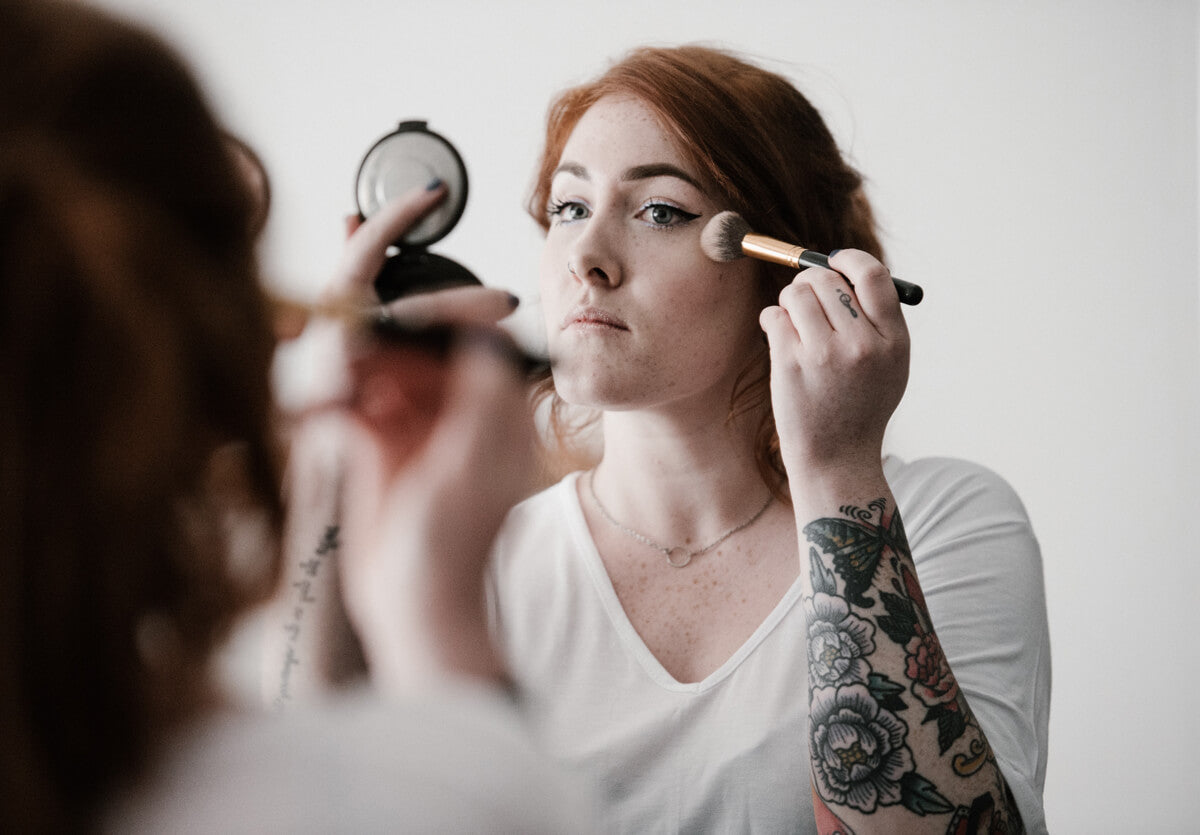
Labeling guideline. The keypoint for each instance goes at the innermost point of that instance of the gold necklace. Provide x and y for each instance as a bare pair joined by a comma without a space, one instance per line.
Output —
668,552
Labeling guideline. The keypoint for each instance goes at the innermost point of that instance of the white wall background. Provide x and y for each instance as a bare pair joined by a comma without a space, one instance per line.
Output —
1034,165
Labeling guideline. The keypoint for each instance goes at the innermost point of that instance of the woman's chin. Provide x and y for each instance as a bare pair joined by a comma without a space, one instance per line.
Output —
594,392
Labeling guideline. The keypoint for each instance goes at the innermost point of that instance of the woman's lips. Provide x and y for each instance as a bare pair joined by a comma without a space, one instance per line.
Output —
592,317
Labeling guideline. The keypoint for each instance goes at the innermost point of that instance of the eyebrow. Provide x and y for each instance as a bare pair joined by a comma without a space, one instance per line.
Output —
661,169
637,172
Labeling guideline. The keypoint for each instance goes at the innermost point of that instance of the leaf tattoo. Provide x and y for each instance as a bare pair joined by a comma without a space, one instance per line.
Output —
922,797
900,623
951,721
822,577
886,692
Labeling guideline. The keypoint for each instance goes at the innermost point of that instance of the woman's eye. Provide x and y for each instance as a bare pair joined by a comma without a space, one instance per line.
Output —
664,214
565,211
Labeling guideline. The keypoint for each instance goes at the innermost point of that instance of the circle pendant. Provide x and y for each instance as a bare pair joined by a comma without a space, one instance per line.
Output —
687,557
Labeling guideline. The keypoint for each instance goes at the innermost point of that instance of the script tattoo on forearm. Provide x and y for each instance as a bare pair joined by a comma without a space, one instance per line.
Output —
300,602
857,738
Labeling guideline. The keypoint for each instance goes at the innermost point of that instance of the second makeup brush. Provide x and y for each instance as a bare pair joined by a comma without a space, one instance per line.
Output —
292,315
728,237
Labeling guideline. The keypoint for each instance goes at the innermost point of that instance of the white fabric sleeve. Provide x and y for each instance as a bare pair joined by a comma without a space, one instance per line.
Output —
980,567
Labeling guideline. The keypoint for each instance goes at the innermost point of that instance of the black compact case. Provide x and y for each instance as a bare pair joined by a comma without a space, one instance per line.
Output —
409,157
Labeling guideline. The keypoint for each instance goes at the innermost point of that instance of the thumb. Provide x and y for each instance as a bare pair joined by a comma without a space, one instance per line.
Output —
781,333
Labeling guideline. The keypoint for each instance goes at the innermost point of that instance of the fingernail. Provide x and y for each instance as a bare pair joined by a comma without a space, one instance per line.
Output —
834,252
513,301
434,184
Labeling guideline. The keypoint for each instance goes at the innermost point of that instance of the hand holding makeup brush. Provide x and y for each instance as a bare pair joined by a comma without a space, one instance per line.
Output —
839,366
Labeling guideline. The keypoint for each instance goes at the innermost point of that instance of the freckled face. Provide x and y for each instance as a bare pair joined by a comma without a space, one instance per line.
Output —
636,315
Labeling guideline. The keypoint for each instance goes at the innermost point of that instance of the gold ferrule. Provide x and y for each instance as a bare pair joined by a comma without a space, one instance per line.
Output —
770,249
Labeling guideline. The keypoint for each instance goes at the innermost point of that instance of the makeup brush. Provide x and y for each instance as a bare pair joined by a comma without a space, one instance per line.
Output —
727,237
292,315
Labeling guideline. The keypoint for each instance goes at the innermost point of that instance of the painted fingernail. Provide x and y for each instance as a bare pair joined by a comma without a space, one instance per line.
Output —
513,301
434,184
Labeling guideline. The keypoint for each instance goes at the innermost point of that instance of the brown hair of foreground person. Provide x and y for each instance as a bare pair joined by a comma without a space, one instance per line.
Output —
134,406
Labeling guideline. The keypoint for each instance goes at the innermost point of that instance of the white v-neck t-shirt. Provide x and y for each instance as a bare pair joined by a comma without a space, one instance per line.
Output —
730,753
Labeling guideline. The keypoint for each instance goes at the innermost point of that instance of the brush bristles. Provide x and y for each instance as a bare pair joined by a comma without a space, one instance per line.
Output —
721,239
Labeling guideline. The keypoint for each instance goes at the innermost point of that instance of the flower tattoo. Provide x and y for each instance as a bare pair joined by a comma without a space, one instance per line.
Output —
858,748
837,642
929,671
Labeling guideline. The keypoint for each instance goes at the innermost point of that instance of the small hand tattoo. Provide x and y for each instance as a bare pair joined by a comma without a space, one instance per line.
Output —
844,298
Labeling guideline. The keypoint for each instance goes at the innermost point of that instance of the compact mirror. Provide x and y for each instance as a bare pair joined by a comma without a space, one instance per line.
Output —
411,157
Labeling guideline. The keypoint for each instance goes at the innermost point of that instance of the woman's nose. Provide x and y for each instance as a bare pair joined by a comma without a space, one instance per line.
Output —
593,257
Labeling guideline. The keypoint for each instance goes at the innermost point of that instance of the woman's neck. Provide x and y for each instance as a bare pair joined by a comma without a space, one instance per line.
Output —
678,475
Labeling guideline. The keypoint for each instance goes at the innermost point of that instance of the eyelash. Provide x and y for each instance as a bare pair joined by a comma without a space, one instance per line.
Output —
555,209
684,217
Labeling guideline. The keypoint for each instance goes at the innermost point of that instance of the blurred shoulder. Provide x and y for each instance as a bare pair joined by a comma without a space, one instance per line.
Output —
549,509
457,760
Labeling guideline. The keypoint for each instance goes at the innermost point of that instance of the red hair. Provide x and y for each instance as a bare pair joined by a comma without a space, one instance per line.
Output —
762,149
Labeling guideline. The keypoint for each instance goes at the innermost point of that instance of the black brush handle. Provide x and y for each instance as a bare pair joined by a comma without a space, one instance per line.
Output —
909,293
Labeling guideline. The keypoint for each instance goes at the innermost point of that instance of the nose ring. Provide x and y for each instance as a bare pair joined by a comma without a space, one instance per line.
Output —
571,269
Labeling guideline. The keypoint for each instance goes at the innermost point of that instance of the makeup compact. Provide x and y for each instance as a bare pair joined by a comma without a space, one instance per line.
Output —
412,156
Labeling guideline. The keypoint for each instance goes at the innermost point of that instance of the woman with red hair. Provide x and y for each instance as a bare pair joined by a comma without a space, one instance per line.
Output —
722,617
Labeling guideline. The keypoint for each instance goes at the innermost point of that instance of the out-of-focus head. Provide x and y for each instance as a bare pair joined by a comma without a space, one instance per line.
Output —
254,174
134,403
763,151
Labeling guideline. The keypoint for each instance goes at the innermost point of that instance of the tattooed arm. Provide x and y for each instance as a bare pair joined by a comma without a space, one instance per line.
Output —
893,740
309,647
894,745
391,523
